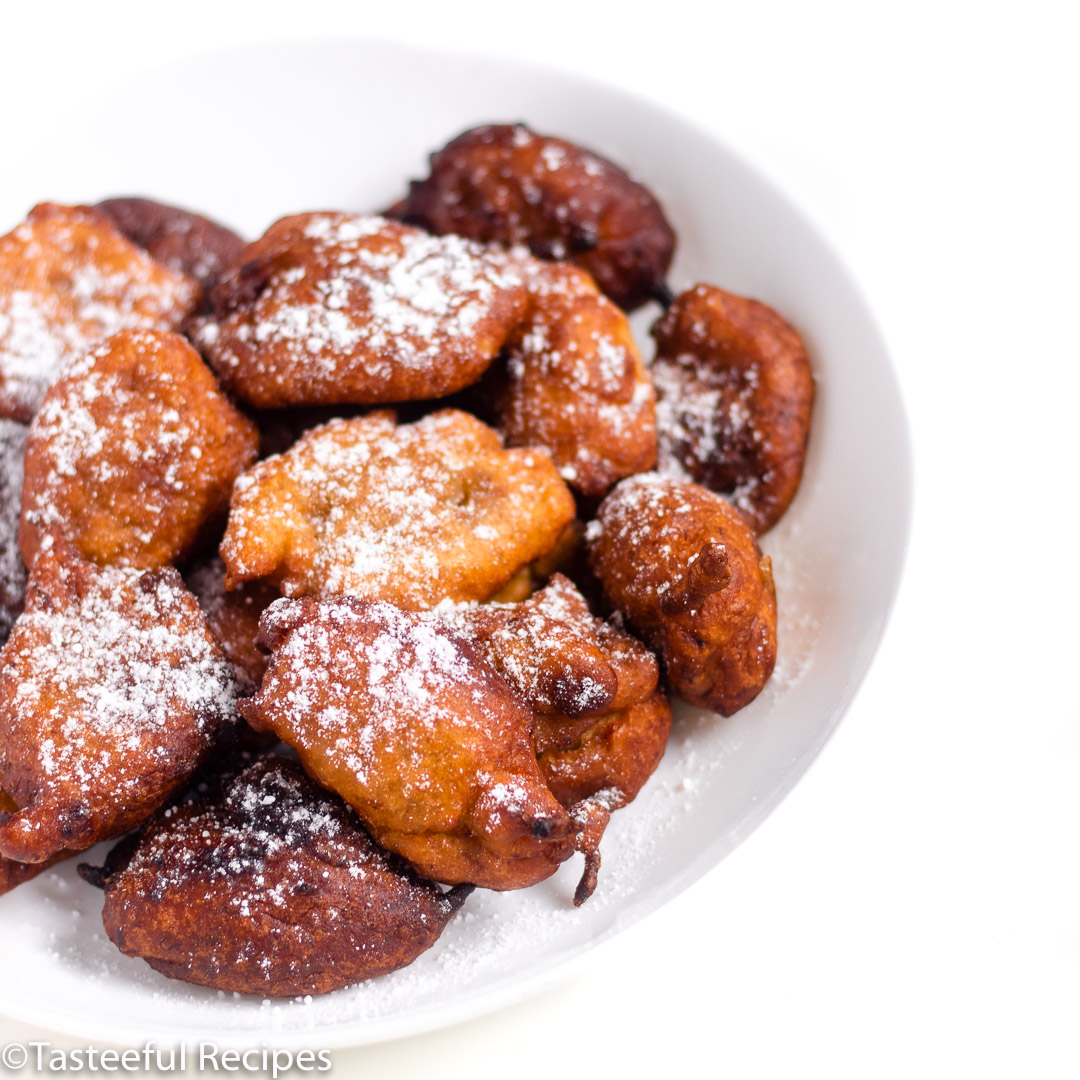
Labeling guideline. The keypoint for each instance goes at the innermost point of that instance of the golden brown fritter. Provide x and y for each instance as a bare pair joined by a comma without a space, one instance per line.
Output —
337,308
233,618
12,571
683,567
412,513
505,184
112,690
68,278
133,453
600,723
411,726
178,238
574,383
273,888
735,392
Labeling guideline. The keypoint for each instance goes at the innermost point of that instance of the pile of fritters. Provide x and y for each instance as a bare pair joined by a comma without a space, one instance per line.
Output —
348,570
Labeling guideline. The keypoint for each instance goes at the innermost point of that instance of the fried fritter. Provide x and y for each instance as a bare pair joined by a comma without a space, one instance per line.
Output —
410,725
68,278
600,723
505,184
272,888
735,392
574,383
112,690
12,571
133,453
683,567
336,308
413,513
233,617
178,238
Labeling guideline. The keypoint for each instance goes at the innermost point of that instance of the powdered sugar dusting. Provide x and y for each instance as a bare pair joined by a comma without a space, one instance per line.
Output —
401,666
371,304
705,420
107,669
415,512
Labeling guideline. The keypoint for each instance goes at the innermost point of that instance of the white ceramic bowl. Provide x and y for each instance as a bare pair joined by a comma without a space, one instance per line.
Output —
249,136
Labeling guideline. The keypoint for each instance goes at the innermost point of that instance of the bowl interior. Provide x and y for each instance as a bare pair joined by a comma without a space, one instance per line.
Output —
247,136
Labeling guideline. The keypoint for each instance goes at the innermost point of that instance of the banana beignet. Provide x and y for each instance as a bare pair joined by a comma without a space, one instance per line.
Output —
335,308
133,453
410,513
600,721
272,887
69,278
683,567
112,690
406,721
178,238
574,383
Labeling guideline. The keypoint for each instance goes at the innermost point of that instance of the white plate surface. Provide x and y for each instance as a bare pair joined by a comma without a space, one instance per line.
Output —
250,136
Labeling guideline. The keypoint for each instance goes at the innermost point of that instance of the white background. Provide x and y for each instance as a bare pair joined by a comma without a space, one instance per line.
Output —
913,908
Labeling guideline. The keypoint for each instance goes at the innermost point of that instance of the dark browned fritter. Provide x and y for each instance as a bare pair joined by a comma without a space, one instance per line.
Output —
683,567
735,391
270,886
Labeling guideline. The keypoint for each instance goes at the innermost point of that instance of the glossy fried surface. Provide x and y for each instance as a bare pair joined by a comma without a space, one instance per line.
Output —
336,308
574,382
68,278
272,887
133,453
503,183
111,692
410,513
735,393
233,617
178,238
12,571
684,569
411,726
